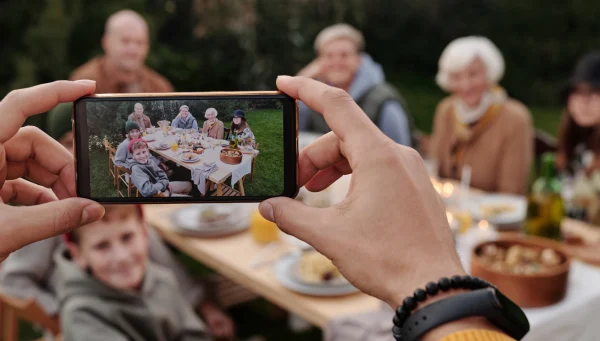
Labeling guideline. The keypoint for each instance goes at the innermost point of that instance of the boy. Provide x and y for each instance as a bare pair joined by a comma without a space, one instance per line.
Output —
122,156
110,290
148,177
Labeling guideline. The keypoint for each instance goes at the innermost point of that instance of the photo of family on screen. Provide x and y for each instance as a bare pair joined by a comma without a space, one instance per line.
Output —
173,148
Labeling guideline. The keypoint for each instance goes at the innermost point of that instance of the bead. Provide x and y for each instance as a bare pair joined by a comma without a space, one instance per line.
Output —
420,295
432,288
409,303
397,332
468,282
444,284
400,318
456,281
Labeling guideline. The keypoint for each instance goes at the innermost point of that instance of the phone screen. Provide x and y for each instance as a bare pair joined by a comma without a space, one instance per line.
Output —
186,149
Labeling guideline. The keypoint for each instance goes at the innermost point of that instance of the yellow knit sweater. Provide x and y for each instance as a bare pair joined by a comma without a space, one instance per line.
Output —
477,335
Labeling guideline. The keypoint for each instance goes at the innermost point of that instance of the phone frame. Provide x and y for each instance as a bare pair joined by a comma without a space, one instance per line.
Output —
290,145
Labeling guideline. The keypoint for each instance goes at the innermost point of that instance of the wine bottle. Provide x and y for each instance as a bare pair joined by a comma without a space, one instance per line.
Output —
545,206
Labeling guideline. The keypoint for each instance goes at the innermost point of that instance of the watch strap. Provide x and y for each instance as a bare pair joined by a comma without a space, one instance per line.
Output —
482,302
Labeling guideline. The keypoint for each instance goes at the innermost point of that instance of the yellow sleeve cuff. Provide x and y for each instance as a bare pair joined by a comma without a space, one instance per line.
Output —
477,335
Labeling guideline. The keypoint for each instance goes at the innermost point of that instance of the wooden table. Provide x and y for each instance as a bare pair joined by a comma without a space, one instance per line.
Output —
231,257
218,177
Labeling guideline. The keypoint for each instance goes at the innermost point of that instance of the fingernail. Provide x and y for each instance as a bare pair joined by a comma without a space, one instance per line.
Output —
86,81
92,213
283,77
266,210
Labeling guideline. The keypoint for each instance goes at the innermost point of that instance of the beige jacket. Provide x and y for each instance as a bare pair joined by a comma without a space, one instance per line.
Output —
500,156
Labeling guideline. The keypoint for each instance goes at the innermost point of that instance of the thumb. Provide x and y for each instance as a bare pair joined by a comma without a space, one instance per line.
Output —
34,223
296,218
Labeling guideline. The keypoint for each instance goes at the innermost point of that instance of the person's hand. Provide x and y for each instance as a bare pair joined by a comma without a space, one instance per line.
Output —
163,166
390,235
28,153
220,325
312,70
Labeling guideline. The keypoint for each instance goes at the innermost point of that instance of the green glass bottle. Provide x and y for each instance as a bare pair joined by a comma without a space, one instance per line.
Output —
233,142
545,206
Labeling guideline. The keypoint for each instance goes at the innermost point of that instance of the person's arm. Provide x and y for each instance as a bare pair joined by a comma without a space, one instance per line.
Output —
147,121
477,335
25,274
515,161
220,130
82,325
394,123
175,123
142,181
195,125
121,155
312,70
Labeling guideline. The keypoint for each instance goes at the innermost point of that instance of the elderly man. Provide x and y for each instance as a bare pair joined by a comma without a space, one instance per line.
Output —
139,117
121,68
185,120
341,62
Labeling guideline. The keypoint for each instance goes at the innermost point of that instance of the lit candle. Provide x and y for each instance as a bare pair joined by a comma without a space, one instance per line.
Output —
447,190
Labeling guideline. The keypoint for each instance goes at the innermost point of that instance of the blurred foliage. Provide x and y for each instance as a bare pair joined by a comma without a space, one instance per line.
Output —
243,44
102,120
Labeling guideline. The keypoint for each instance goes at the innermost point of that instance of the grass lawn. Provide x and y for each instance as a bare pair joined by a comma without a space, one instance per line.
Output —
267,126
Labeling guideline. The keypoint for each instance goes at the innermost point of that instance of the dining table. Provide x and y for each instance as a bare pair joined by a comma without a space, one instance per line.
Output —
232,256
211,154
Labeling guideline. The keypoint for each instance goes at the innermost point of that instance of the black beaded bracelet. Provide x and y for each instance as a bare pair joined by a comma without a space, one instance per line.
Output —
432,289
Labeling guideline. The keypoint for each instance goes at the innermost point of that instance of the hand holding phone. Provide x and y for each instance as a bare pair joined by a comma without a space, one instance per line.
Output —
222,147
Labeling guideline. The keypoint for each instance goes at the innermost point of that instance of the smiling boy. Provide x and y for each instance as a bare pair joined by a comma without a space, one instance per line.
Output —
110,290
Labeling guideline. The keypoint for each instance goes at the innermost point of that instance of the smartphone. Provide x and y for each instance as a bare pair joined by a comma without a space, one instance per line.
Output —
186,147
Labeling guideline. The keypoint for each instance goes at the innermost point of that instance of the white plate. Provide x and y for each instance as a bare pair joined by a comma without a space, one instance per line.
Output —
475,203
196,158
285,272
149,138
187,220
157,146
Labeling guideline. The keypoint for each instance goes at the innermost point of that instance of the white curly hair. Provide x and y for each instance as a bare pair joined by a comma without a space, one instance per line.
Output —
209,110
462,51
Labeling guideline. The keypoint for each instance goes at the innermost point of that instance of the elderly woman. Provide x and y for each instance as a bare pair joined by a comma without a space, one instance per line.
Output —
579,136
213,127
478,125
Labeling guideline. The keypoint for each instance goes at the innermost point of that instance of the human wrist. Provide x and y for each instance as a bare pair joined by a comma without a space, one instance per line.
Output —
415,306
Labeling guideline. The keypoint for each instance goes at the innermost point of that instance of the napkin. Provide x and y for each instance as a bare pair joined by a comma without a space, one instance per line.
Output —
243,169
372,326
199,175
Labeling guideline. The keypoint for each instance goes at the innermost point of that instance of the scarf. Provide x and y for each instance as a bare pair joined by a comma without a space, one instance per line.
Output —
470,123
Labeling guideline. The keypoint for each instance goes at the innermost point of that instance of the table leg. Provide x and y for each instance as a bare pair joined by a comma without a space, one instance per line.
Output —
241,183
220,190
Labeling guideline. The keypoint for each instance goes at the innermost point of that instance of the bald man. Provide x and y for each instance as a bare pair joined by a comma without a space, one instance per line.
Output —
121,68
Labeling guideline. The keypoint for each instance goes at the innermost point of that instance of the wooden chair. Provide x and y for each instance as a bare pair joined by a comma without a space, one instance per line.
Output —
111,160
15,310
253,162
124,176
226,132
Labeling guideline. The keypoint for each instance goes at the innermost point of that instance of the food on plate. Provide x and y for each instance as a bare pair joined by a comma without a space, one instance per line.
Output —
493,210
519,259
198,150
189,156
163,145
231,153
316,268
211,216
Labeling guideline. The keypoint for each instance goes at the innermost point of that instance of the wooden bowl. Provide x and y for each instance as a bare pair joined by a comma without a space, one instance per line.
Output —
230,160
526,290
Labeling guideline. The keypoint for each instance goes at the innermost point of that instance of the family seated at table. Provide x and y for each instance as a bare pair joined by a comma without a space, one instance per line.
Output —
149,178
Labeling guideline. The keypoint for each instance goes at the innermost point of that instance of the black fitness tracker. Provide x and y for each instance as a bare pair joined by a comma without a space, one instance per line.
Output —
488,302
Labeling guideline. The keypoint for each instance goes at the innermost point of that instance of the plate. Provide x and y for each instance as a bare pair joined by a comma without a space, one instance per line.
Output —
516,213
194,159
149,138
157,146
285,269
187,220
